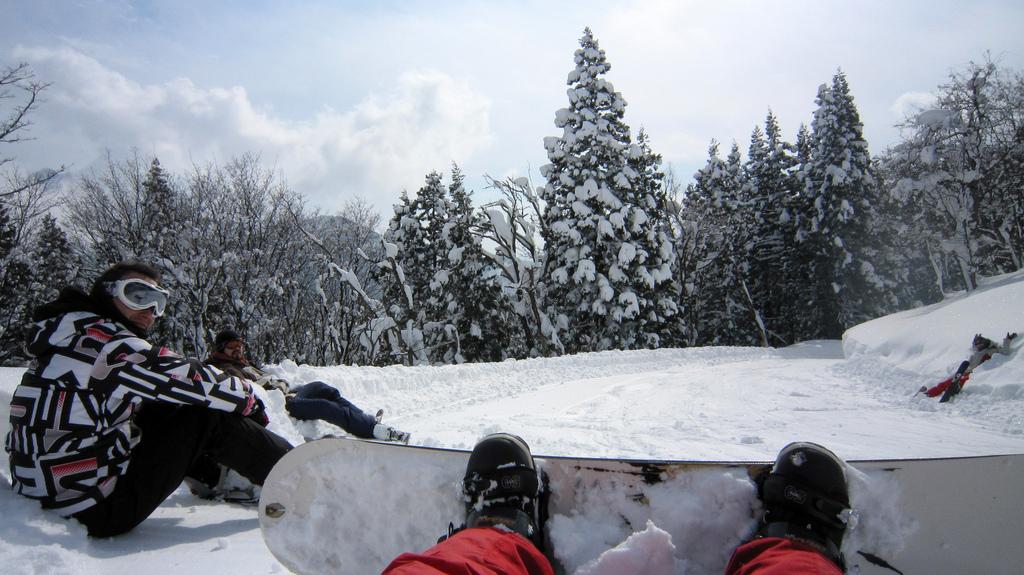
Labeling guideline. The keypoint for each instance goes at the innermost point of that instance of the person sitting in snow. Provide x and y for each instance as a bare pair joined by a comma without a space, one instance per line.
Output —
105,425
312,401
806,511
982,350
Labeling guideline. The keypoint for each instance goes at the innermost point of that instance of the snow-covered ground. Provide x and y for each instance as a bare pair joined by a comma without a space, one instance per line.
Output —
855,396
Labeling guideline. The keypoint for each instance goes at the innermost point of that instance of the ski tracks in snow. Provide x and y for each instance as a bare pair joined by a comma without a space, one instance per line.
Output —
695,403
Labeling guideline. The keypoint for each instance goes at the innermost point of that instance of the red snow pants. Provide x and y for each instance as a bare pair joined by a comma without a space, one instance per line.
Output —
490,551
778,556
940,387
476,551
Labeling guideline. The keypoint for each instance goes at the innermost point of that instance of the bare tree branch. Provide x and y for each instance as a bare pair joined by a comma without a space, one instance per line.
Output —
40,180
19,79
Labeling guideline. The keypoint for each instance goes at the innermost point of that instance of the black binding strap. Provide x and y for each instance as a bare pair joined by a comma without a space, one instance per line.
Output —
509,481
817,505
875,559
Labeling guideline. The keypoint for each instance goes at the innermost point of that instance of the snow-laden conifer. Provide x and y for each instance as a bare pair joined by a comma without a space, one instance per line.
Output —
840,192
608,256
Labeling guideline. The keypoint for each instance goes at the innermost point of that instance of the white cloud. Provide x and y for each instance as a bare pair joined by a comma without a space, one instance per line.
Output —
383,145
345,98
911,103
429,121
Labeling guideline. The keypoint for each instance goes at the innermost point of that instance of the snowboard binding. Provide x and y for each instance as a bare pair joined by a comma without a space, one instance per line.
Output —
503,487
384,432
805,497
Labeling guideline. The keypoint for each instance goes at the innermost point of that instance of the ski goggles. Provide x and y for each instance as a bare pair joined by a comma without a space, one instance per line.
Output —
139,295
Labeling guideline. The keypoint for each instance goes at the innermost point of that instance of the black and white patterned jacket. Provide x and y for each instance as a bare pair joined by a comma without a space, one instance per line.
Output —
71,434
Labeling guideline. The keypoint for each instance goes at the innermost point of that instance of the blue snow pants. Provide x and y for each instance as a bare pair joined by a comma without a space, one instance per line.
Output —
317,400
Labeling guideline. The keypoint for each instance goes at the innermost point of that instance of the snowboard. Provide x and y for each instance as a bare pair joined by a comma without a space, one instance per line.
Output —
350,506
956,383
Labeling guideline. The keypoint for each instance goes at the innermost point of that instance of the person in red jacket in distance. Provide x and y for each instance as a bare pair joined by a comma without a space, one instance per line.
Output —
982,350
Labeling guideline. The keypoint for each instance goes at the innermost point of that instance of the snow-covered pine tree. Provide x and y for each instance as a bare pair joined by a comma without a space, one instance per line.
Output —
716,299
801,212
33,269
769,188
838,241
474,306
591,216
909,232
694,249
754,239
52,263
165,242
14,276
401,292
159,212
417,231
803,146
682,230
799,209
651,244
6,230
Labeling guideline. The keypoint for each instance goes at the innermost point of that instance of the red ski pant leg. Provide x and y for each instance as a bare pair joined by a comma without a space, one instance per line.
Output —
939,388
778,556
476,551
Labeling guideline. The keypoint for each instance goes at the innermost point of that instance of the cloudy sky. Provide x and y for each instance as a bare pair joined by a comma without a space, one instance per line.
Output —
359,98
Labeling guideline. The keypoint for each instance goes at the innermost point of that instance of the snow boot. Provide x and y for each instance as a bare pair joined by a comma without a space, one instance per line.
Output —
805,497
205,478
200,489
244,496
503,488
388,433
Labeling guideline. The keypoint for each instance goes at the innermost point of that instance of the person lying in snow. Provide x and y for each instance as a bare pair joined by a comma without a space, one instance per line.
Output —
982,350
806,512
312,401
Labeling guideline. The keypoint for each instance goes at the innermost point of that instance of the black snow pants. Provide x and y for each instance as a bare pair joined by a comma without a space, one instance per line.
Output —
173,438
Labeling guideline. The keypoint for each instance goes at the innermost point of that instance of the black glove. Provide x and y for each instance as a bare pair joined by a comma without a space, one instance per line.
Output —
258,412
1011,335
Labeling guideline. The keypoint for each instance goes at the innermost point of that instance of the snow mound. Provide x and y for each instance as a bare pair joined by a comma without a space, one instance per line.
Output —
897,354
933,340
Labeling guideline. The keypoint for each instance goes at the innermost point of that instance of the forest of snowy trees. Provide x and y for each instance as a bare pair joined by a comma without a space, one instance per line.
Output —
798,239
